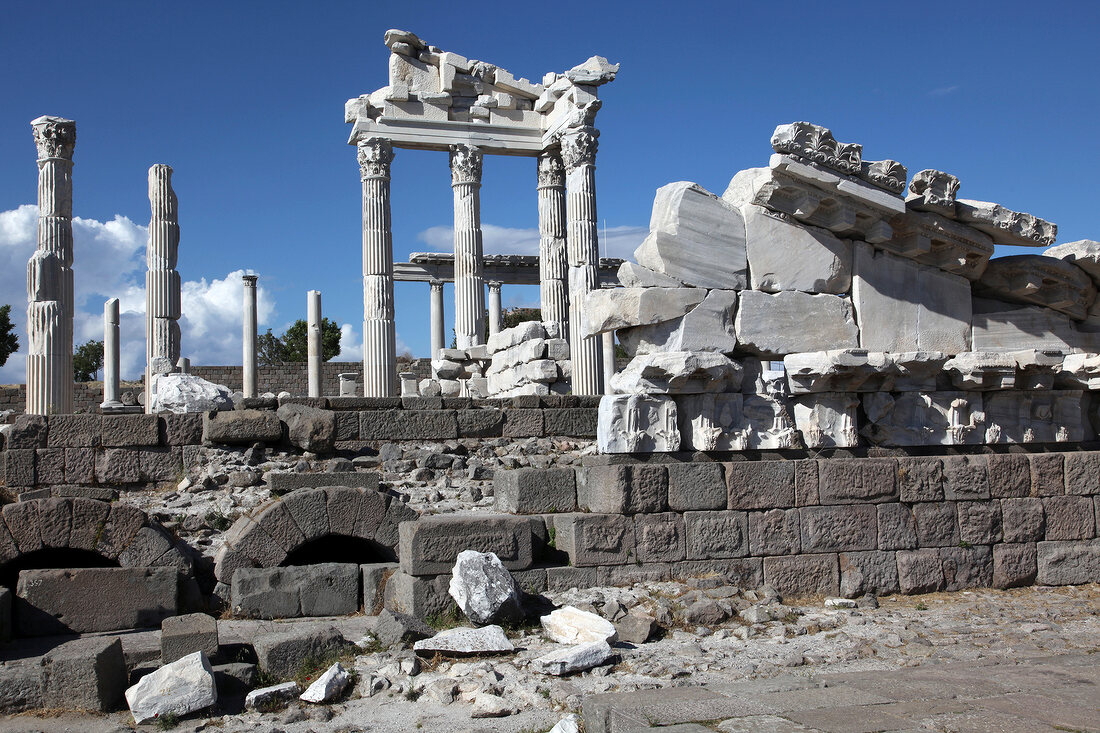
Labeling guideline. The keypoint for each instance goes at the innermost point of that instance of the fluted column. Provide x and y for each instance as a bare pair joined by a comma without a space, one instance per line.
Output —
111,355
495,313
249,336
313,341
578,152
162,281
50,273
435,307
553,265
379,327
469,279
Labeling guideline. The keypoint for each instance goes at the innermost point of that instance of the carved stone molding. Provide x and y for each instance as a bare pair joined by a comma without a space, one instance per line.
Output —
1041,280
888,174
55,137
935,240
466,164
375,156
817,144
1006,226
551,171
579,147
932,190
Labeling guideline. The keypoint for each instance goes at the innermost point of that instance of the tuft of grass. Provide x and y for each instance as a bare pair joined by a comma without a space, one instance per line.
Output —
444,619
168,721
921,606
218,521
552,537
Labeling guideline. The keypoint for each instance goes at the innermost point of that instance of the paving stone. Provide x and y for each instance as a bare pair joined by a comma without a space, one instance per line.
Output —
659,537
1009,475
965,478
920,571
695,486
535,490
775,532
595,539
1014,565
1069,518
430,545
836,528
81,600
716,534
408,425
282,653
1022,520
183,635
966,567
897,530
803,574
85,674
937,524
920,479
858,480
979,522
130,430
874,572
1047,474
622,489
760,484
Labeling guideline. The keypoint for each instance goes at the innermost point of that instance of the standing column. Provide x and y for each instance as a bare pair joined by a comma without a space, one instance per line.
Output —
111,355
162,281
553,268
249,335
379,327
495,314
436,309
50,273
578,152
313,341
469,280
608,347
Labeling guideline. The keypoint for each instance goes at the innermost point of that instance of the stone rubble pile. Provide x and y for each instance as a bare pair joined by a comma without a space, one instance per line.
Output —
455,373
527,360
817,304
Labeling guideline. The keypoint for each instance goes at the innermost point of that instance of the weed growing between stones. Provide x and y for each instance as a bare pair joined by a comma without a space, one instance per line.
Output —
218,521
312,667
442,620
168,721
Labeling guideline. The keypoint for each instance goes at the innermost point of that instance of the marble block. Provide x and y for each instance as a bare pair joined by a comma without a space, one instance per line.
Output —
769,422
633,275
1079,371
924,418
827,420
934,240
934,191
791,322
712,422
999,326
707,327
637,424
981,371
1085,253
1006,226
817,144
678,372
607,309
1037,368
1035,416
859,370
786,255
1039,280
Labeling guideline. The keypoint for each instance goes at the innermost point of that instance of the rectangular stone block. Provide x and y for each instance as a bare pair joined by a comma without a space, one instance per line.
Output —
1022,520
179,430
920,571
937,524
183,635
84,674
716,534
480,422
1082,473
595,539
82,600
637,423
979,522
73,431
408,425
19,467
1014,565
1047,474
79,465
966,567
858,480
839,528
783,255
1009,327
430,545
803,575
323,589
117,466
792,322
564,578
375,576
807,483
1009,475
570,422
897,530
1069,518
920,479
760,484
1068,563
873,572
535,490
49,466
347,425
622,489
628,575
160,464
775,532
965,478
523,423
659,537
695,486
130,430
5,615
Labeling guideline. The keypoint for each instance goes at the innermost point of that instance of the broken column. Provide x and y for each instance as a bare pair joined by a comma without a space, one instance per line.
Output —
249,336
313,342
553,266
436,309
578,151
50,274
469,280
495,314
379,328
162,281
110,356
607,343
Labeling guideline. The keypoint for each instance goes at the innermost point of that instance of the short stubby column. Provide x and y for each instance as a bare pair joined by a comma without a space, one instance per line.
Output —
249,336
50,273
379,326
435,307
578,152
495,313
314,343
469,277
553,265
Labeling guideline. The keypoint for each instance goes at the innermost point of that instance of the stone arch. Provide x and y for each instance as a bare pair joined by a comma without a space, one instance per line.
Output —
267,536
119,534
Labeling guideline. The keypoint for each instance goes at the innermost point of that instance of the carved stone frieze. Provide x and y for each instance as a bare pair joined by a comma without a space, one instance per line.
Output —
827,419
1045,281
1037,368
55,137
888,174
1084,253
769,422
375,156
637,424
817,144
859,370
579,147
934,240
1035,416
979,371
828,210
712,422
934,191
465,164
1079,371
924,418
1006,226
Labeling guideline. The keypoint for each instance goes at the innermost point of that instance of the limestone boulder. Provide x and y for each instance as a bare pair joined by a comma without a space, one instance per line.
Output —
633,275
466,642
309,428
329,686
575,658
483,588
180,393
709,326
786,255
179,688
571,625
608,309
790,322
678,372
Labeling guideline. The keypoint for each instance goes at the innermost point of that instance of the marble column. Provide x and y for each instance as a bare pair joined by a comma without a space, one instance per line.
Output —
111,355
469,278
313,342
379,327
162,281
249,336
578,152
50,273
608,347
553,266
495,313
436,310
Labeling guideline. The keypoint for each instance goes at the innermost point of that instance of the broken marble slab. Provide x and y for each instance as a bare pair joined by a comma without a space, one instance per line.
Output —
1035,416
707,327
827,419
696,238
790,322
1078,371
1085,253
769,422
712,422
1036,368
1006,226
633,275
923,418
904,306
763,376
786,255
981,371
637,424
848,186
1000,326
817,145
934,191
678,372
607,309
1040,280
934,240
859,370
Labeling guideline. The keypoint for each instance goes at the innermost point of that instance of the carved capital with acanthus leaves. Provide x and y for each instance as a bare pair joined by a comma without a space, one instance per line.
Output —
465,164
551,172
375,156
55,137
579,147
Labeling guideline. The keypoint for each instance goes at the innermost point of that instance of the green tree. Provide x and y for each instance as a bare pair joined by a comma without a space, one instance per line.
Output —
9,342
87,361
293,345
269,349
514,316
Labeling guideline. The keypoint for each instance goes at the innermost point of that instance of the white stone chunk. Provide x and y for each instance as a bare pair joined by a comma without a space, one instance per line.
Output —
608,309
490,706
1084,253
784,255
696,238
851,188
827,420
859,370
637,424
678,372
180,393
569,724
932,190
517,334
1001,326
465,641
571,625
330,685
1041,280
982,370
633,275
575,658
924,418
1079,371
934,240
790,322
483,588
707,327
179,688
1006,226
268,695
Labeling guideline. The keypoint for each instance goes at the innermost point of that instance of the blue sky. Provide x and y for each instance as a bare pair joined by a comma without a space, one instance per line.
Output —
245,100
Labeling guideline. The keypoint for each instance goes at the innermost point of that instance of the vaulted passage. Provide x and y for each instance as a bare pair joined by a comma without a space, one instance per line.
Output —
340,548
51,557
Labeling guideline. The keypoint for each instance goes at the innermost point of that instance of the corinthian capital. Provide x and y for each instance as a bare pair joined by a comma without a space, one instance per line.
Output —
55,137
375,156
551,171
465,164
579,147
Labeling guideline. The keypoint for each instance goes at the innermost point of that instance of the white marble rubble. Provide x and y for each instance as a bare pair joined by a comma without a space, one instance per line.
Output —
571,625
786,255
179,688
483,588
466,642
1085,253
265,696
1006,226
859,370
575,658
180,393
933,191
329,686
608,309
709,326
1079,371
678,372
981,371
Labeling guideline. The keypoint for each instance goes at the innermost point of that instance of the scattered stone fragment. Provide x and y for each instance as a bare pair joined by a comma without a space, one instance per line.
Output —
571,625
466,642
574,658
394,628
483,588
569,724
179,688
330,685
840,603
491,706
269,695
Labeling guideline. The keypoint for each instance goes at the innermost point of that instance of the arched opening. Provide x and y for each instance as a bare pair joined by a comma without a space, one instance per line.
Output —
339,548
50,558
